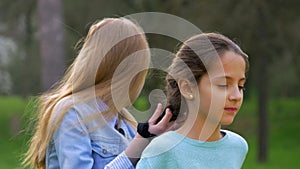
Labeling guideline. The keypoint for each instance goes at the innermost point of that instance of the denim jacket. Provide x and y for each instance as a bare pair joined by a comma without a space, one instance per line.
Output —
84,141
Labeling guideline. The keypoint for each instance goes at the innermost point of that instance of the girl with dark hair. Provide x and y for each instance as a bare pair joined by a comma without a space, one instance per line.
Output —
204,89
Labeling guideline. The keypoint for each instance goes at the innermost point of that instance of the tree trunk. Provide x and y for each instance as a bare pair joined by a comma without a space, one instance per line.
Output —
263,86
51,41
28,57
263,114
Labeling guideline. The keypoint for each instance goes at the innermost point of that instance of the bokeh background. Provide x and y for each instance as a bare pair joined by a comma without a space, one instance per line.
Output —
38,41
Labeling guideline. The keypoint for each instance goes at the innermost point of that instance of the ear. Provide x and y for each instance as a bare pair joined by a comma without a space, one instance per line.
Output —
185,89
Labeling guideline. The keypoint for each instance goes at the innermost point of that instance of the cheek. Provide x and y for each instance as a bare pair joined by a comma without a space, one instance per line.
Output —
219,97
212,99
212,107
204,105
205,102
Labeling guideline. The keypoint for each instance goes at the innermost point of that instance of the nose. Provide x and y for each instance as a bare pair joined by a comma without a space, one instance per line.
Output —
235,94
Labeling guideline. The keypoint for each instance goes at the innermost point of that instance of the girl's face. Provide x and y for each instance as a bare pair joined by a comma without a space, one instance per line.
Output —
221,92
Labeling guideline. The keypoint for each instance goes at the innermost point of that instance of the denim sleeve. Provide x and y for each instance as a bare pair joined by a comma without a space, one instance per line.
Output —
72,143
120,162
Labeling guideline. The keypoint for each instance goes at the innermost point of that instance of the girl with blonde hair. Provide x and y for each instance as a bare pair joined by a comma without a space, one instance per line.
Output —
83,122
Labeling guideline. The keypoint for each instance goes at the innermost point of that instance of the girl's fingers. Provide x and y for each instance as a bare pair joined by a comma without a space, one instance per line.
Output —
156,114
166,119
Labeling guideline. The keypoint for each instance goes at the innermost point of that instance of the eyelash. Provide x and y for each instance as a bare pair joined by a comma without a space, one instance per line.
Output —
240,87
222,86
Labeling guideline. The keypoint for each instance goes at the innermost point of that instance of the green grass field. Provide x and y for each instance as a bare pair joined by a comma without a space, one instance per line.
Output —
284,137
284,148
12,138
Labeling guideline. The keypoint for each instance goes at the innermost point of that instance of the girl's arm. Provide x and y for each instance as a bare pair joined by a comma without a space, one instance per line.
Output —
138,144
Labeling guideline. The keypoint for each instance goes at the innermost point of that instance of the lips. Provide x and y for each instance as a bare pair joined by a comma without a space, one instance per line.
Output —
231,109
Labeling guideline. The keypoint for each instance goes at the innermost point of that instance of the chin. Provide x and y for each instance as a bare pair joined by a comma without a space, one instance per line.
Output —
227,121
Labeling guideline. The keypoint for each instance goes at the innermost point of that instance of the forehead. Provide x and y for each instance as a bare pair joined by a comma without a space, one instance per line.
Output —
230,65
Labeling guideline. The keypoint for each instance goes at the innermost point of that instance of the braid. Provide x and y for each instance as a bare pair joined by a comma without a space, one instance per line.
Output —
173,96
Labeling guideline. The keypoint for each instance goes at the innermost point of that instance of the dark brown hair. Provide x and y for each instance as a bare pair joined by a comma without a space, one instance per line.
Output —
192,61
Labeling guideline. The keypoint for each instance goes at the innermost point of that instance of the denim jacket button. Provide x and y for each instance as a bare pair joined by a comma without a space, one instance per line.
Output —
104,151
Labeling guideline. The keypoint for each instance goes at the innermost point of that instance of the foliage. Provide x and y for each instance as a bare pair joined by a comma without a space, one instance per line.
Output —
275,38
284,125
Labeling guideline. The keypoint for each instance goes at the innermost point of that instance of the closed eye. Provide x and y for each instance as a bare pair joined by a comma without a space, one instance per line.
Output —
242,88
223,86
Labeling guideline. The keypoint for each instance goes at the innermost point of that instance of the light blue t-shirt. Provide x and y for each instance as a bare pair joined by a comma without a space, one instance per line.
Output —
173,150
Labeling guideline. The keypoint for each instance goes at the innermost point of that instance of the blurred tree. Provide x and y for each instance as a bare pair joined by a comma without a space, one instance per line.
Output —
51,41
233,18
263,76
18,24
7,47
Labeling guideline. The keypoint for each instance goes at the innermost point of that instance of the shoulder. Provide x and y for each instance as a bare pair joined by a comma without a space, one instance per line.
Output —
81,108
162,144
90,107
70,116
63,116
234,136
236,139
164,152
69,122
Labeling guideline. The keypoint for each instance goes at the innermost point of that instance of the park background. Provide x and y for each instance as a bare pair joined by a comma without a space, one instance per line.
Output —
268,31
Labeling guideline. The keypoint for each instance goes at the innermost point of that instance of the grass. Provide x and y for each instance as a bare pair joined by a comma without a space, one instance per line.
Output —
283,126
12,121
284,148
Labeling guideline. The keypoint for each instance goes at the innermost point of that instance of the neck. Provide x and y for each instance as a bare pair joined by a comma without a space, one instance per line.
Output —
201,129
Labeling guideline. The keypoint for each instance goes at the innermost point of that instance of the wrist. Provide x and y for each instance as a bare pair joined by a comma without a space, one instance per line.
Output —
139,137
143,130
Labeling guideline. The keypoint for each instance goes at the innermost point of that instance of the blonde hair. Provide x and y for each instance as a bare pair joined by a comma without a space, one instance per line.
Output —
113,49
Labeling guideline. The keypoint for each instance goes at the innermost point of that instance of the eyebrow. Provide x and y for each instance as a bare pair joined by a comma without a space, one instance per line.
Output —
227,77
